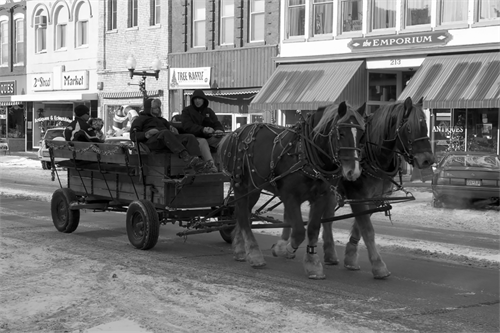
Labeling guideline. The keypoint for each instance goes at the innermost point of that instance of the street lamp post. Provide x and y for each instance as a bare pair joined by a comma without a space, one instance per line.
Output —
155,66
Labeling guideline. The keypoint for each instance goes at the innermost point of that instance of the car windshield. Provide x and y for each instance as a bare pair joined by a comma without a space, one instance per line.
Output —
482,161
51,135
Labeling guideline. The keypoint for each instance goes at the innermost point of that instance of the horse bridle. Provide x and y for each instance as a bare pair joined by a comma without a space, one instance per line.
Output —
408,152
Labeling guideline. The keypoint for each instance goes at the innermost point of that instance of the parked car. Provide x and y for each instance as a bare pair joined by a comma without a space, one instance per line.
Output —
57,134
467,178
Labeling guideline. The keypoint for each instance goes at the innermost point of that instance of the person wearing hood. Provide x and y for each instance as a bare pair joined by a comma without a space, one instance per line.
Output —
79,129
201,121
158,134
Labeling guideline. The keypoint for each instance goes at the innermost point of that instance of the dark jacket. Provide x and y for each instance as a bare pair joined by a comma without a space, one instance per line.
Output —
144,123
80,130
195,119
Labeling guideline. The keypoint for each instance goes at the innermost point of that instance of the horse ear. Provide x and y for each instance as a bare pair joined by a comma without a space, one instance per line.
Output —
421,101
342,109
408,107
362,109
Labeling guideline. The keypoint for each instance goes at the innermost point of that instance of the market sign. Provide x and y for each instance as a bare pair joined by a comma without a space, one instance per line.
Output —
75,80
7,88
189,78
400,41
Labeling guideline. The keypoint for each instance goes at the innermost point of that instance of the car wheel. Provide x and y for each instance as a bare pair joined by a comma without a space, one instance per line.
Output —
436,203
45,165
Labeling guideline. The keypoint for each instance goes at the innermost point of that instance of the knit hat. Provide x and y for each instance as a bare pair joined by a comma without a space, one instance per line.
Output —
81,110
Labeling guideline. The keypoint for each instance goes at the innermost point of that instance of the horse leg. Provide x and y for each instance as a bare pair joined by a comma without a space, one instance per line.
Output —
286,247
330,254
364,223
312,264
351,249
244,244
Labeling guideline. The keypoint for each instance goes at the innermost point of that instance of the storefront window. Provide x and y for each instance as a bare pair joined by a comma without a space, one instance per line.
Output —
482,130
50,116
3,122
383,87
119,118
15,122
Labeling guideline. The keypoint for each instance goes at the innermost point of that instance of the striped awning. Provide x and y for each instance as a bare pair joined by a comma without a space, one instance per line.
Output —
8,103
225,92
457,81
130,94
313,85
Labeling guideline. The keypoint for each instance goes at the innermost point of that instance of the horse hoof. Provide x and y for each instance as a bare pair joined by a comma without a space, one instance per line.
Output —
239,257
382,276
317,276
352,267
331,262
258,265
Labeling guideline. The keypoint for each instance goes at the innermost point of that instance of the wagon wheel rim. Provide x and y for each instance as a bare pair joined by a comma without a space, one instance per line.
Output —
138,226
62,213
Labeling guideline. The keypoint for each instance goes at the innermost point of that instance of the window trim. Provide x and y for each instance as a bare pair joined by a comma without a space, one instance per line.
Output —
112,12
78,30
287,24
251,14
132,14
57,46
416,27
155,9
477,12
449,25
313,19
6,22
381,31
16,61
222,21
341,34
38,28
194,21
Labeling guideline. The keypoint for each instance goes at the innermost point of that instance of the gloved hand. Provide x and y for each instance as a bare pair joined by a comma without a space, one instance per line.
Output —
219,133
208,130
150,133
173,129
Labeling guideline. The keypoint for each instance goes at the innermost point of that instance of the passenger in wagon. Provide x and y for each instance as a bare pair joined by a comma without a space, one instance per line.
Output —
158,134
79,129
200,120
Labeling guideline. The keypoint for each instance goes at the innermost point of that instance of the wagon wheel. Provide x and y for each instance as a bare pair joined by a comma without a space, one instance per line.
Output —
65,219
143,225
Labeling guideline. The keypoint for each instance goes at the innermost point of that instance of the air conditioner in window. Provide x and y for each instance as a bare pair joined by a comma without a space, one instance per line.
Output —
41,20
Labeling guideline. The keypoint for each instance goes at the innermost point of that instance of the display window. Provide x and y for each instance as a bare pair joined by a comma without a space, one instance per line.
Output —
12,122
50,116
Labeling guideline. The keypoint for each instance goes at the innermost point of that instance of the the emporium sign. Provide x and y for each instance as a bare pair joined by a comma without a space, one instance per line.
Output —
400,41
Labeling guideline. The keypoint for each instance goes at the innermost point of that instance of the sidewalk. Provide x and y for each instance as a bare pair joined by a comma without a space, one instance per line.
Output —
28,154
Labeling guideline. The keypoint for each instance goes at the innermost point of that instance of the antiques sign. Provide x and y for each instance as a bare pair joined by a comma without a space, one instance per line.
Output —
7,88
400,41
189,78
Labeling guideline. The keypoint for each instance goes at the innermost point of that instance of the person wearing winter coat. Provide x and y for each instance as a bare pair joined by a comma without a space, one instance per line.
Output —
201,121
79,129
158,134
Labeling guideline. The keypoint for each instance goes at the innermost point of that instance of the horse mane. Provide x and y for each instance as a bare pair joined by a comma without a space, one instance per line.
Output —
331,113
389,116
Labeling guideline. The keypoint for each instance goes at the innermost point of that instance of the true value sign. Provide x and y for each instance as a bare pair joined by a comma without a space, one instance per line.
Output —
76,80
400,41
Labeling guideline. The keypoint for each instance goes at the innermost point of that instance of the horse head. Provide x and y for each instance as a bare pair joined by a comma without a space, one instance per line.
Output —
413,140
341,129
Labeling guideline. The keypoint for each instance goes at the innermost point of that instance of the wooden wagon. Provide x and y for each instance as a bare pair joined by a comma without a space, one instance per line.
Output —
152,188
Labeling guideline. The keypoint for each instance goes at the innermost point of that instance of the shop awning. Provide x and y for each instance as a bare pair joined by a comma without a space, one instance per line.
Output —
130,94
458,81
5,101
225,92
313,85
55,96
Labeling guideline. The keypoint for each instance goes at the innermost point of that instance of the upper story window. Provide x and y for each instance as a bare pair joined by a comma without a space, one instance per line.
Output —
199,16
4,42
296,18
112,14
323,17
383,14
82,17
19,47
417,12
453,11
41,32
257,20
351,15
488,10
132,13
227,22
61,23
155,12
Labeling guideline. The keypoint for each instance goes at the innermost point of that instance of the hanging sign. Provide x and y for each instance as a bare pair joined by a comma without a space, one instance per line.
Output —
7,88
400,41
76,80
189,78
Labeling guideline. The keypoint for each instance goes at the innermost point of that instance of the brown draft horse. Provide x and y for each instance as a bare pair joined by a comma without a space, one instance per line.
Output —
298,164
394,130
